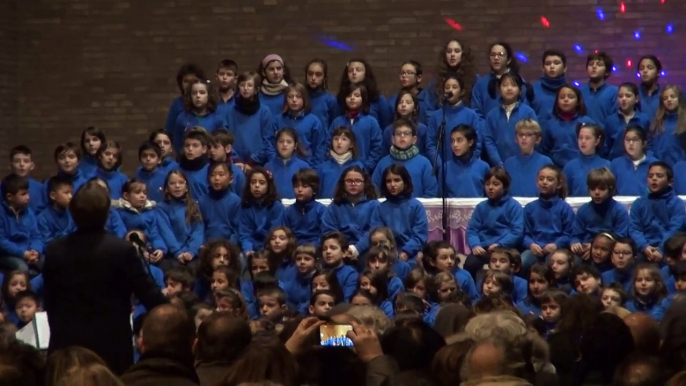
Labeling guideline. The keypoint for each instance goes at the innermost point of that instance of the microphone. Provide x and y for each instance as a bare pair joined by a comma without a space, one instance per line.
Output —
447,95
136,240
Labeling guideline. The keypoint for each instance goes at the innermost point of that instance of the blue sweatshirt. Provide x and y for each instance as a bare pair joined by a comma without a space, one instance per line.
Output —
220,212
652,307
576,171
115,225
482,102
54,223
500,134
145,220
115,181
631,179
601,103
186,120
666,146
616,276
253,134
422,140
395,286
560,139
311,134
154,181
367,136
545,92
401,269
283,172
427,104
38,195
179,236
421,173
324,106
520,288
175,109
197,180
454,116
304,219
407,219
88,165
592,218
649,103
529,307
353,220
299,291
286,272
523,169
680,178
615,127
655,217
18,232
238,184
330,172
273,102
465,179
168,164
77,179
466,283
256,221
380,110
548,221
499,221
347,277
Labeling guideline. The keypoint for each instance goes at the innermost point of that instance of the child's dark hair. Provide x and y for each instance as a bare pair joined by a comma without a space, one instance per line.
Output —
641,132
415,113
466,70
93,132
215,165
381,252
363,93
211,96
554,295
149,145
369,81
263,254
331,278
582,269
600,178
631,86
617,287
58,182
231,276
348,133
325,69
652,58
562,191
19,149
294,136
5,290
430,252
27,294
514,63
110,145
292,244
270,196
409,301
603,57
339,237
401,171
664,165
512,76
316,294
228,64
129,184
222,137
631,243
375,300
157,132
504,280
66,147
500,174
273,291
580,105
193,214
181,275
544,271
460,82
300,89
512,255
249,75
405,122
369,191
415,276
468,132
674,245
236,301
554,52
186,300
597,131
188,69
434,284
307,177
13,184
378,280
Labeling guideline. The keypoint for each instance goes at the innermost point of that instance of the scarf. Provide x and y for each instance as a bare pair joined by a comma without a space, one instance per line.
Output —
553,84
247,106
567,116
403,155
352,114
341,158
273,88
193,164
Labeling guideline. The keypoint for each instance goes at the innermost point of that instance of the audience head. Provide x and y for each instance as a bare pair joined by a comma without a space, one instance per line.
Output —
645,331
639,369
21,365
168,329
413,346
222,337
90,207
64,361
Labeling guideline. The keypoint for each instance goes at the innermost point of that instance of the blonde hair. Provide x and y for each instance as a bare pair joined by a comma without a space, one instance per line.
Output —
62,362
529,124
306,249
372,317
94,374
658,125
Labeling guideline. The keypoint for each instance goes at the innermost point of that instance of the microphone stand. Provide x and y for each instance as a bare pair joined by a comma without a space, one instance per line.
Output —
441,145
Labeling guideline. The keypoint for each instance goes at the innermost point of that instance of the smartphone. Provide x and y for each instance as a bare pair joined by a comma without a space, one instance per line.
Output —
335,335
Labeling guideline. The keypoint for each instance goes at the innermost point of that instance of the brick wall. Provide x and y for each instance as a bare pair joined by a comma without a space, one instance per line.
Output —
110,63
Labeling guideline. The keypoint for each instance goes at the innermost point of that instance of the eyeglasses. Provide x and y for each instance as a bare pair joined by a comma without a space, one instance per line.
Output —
498,54
354,182
632,140
406,73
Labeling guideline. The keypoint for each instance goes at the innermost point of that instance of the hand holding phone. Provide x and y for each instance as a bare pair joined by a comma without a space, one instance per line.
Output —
335,335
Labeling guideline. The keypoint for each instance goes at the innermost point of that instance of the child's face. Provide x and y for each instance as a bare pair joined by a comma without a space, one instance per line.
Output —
315,75
269,305
550,311
341,144
258,185
226,79
322,305
553,66
379,263
19,200
220,256
366,284
681,282
259,264
408,76
279,241
657,179
354,183
193,148
21,165
499,59
217,152
173,288
445,260
494,188
419,289
285,145
200,316
247,89
359,300
92,143
670,99
138,196
627,99
601,249
586,283
199,95
446,289
356,72
17,284
177,186
220,179
596,70
303,193
500,262
610,298
163,141
219,281
587,141
567,100
599,194
634,145
648,71
460,144
491,286
547,181
149,160
304,263
224,305
26,309
537,285
274,71
332,253
354,100
378,238
559,264
453,53
394,184
403,138
61,196
509,91
319,283
527,141
294,100
68,162
452,86
406,106
622,255
645,283
109,157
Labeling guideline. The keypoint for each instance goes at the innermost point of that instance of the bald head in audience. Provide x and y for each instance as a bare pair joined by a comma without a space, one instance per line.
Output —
168,328
486,359
222,337
646,332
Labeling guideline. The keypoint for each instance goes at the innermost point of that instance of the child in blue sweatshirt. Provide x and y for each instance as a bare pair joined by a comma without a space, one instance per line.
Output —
624,255
115,225
648,292
627,116
163,140
21,245
324,104
92,138
601,214
220,207
544,91
194,162
405,215
589,138
465,172
552,304
304,216
334,246
675,252
358,72
496,222
287,162
631,169
526,164
407,107
150,171
221,149
15,282
251,123
508,261
560,131
217,253
649,68
187,74
180,222
440,256
485,94
599,96
382,259
67,157
540,280
200,110
261,210
501,122
109,160
586,279
383,237
296,115
280,245
669,126
658,215
275,80
366,129
405,152
410,77
227,71
373,285
343,155
549,220
351,210
21,164
299,290
602,246
55,220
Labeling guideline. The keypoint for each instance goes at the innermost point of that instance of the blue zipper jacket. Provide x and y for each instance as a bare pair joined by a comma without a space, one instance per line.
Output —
186,120
353,220
631,179
311,135
666,146
652,307
273,102
283,172
500,134
601,103
253,134
220,212
256,221
577,169
18,232
54,223
498,221
38,195
454,116
115,225
560,139
324,106
168,164
198,184
329,173
466,283
367,136
299,291
655,217
679,178
407,219
545,92
616,126
529,306
77,179
115,181
623,278
592,218
154,181
548,221
465,179
482,102
649,103
304,219
347,277
524,170
88,165
145,220
175,109
179,236
421,173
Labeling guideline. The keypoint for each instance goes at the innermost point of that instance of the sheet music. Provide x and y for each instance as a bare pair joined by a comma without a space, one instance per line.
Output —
36,333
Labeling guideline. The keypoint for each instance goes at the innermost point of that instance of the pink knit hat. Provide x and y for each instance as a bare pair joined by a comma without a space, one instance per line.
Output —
270,58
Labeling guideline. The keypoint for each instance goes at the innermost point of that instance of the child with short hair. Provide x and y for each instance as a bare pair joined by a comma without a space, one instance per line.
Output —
109,160
541,278
552,304
15,282
27,303
220,207
304,216
614,295
586,279
67,156
669,126
631,169
231,301
221,150
333,247
544,91
525,164
649,68
295,114
321,302
21,164
627,116
177,280
508,261
272,303
589,139
299,290
324,104
287,161
261,210
601,214
600,97
21,245
648,291
194,163
440,256
658,215
496,222
675,251
227,71
624,256
55,221
561,263
465,172
92,138
150,171
343,155
163,140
